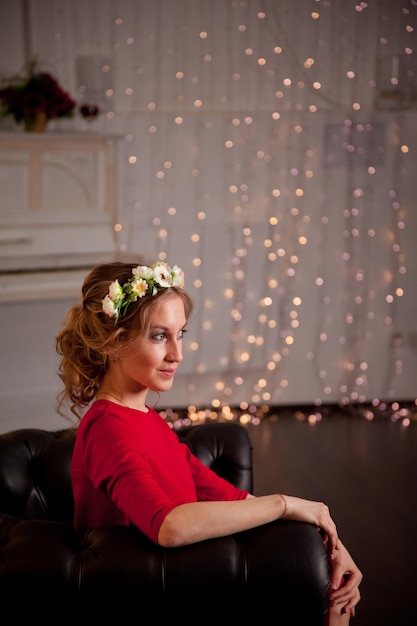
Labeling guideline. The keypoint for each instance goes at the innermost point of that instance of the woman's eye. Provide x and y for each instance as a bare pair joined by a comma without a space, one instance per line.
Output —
163,336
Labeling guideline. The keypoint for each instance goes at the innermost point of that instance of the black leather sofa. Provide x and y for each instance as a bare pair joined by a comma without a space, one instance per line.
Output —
49,571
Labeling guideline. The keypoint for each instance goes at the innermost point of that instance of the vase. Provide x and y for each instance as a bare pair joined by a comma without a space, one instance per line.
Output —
37,123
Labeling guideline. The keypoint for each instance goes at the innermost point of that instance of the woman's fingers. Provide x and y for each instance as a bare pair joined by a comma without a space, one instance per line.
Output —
327,524
316,513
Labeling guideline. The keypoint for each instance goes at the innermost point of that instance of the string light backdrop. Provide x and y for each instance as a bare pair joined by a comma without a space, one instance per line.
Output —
270,151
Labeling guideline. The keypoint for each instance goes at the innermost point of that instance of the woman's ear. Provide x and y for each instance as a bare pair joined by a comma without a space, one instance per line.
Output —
113,354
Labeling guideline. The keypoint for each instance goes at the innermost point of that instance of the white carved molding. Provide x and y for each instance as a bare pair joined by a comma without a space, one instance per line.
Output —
54,186
58,204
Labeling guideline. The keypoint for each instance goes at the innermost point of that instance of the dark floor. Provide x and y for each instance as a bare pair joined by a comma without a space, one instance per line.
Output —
367,473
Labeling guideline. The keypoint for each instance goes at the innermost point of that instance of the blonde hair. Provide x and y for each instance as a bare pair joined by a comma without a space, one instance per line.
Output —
89,337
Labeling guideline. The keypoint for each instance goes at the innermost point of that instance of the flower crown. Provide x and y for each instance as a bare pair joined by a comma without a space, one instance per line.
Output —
145,281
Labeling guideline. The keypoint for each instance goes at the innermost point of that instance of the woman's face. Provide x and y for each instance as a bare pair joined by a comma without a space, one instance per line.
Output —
150,362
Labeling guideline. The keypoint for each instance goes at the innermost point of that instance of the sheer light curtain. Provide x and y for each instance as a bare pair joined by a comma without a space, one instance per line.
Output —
267,152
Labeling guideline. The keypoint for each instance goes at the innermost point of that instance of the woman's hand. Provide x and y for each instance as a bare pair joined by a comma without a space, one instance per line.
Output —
316,513
344,582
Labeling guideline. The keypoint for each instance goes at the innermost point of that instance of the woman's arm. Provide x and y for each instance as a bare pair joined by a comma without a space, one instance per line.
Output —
197,521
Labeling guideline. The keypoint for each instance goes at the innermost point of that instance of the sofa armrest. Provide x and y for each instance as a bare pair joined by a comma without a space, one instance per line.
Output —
279,567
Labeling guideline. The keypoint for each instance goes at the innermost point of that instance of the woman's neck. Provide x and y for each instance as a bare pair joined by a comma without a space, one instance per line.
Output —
119,399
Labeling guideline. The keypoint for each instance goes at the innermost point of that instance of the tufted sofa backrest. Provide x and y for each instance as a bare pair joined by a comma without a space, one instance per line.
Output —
35,474
35,465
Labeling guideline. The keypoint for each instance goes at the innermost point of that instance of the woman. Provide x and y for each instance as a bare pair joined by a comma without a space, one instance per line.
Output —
128,466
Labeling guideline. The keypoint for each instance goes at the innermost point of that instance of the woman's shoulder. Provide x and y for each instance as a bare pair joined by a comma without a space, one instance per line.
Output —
108,415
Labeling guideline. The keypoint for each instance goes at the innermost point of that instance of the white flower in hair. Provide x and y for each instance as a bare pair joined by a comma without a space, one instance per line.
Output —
113,300
177,277
162,275
146,280
139,287
115,290
108,307
142,271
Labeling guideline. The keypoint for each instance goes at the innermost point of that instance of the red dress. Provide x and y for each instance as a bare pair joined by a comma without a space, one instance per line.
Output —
129,467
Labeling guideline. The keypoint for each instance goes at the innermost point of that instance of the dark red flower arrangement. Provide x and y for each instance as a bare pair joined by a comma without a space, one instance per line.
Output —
38,92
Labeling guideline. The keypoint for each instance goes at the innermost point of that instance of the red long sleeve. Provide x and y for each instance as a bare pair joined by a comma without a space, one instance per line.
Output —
128,467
